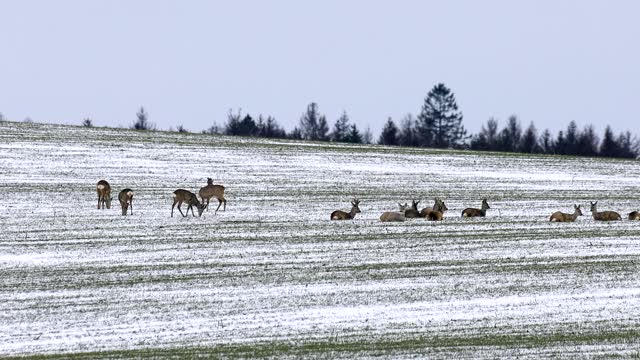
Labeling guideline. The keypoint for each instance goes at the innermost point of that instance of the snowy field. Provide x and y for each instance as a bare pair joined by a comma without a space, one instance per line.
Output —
274,277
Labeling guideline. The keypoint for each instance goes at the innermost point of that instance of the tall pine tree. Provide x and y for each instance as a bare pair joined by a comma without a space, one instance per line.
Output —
440,122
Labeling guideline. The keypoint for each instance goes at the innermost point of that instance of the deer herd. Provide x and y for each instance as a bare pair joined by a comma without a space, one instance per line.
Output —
179,196
436,212
433,213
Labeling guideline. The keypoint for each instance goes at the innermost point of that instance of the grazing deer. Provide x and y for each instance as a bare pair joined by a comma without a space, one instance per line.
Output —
564,217
342,215
603,215
392,216
412,212
634,215
104,194
210,191
471,212
125,197
437,213
180,196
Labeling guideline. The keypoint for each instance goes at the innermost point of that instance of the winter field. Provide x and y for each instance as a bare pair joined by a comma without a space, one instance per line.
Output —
272,276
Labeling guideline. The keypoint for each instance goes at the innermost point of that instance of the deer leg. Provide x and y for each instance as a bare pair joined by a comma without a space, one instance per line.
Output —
98,202
172,206
131,206
219,203
225,205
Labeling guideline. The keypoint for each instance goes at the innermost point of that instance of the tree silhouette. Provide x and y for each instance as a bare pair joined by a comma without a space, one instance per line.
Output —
440,123
389,135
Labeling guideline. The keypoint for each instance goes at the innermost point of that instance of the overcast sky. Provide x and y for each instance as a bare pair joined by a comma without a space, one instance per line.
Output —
189,62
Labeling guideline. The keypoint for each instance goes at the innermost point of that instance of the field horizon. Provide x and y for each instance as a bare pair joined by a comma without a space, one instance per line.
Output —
273,277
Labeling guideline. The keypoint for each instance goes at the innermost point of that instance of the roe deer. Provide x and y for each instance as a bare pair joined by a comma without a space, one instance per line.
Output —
437,213
412,212
180,196
425,211
210,191
634,215
564,217
471,212
104,194
603,215
390,216
126,196
342,215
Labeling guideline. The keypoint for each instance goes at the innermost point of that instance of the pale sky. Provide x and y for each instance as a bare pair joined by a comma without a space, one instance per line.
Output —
189,62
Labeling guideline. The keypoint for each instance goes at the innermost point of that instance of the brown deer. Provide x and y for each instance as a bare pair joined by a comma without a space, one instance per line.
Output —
126,197
412,212
104,194
180,196
634,215
603,215
437,213
564,217
210,191
425,211
342,215
392,216
471,212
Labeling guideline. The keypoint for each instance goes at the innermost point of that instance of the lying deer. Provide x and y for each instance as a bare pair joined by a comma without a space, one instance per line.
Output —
125,197
412,212
634,215
104,194
210,191
394,216
342,215
603,215
437,213
180,196
425,211
471,212
564,217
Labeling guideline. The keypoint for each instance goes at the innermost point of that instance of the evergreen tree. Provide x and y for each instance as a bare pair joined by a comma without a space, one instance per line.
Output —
247,126
571,139
367,137
546,142
440,123
233,126
86,122
389,135
296,134
587,142
487,139
340,128
628,147
529,140
609,146
560,146
309,123
142,122
510,135
353,136
322,132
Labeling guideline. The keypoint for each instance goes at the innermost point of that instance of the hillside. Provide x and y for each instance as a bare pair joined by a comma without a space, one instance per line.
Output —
272,276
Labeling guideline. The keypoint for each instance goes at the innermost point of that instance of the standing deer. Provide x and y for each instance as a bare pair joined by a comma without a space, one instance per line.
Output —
125,197
471,212
603,215
412,212
210,191
564,217
180,196
342,215
437,213
104,194
634,215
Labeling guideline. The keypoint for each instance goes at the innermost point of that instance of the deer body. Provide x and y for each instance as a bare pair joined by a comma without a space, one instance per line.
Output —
603,215
634,215
126,197
392,216
343,215
104,194
471,212
210,191
412,212
180,196
437,213
564,217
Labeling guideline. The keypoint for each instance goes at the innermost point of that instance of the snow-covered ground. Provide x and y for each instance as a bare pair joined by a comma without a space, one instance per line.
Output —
272,276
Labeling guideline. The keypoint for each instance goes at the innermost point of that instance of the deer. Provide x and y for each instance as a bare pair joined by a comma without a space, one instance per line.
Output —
125,197
395,216
104,194
634,215
412,212
210,191
425,211
180,196
564,217
603,215
342,215
472,212
437,213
